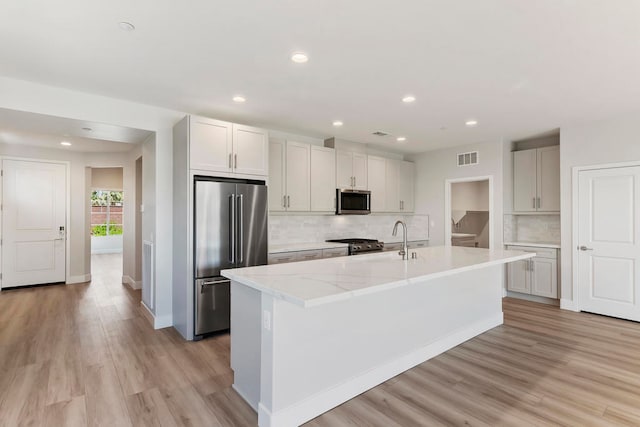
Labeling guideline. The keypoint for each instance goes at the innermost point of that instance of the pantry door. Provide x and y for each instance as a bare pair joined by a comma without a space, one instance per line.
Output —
609,241
33,222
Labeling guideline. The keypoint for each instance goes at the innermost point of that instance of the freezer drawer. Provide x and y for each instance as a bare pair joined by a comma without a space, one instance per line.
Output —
212,305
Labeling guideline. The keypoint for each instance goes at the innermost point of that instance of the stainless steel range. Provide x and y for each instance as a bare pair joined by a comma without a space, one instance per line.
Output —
361,246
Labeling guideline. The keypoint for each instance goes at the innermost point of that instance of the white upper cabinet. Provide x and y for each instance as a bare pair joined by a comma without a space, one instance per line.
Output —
289,176
250,150
407,186
210,144
323,184
351,170
377,180
276,191
548,164
536,180
298,172
392,172
218,146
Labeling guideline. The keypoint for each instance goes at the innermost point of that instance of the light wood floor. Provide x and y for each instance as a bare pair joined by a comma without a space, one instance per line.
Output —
85,355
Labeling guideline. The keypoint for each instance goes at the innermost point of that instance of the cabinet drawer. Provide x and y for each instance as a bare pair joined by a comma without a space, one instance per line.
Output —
540,252
282,258
332,253
418,244
308,255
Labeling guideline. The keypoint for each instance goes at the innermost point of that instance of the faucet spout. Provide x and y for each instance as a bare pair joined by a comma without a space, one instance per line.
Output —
405,249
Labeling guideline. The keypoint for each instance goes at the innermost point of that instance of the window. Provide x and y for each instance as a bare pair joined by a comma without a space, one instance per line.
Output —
106,212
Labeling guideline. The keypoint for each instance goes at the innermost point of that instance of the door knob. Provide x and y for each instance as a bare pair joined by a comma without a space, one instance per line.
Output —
584,248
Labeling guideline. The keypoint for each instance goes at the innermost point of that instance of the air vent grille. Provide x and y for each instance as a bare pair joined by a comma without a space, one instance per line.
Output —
380,133
467,159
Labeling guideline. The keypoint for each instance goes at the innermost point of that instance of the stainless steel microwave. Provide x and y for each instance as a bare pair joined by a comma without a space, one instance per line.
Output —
353,202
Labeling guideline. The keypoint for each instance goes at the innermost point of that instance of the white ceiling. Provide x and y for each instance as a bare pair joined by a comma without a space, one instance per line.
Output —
520,67
40,130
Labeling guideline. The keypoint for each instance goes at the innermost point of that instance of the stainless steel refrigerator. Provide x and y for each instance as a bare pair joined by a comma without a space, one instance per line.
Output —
230,232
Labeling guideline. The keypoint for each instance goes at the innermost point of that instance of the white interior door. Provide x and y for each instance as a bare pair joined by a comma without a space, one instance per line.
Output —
33,223
609,242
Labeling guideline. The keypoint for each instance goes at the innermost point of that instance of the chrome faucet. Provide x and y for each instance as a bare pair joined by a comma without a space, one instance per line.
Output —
405,249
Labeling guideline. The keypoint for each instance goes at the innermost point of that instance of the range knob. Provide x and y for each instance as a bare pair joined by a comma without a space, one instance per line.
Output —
357,248
369,246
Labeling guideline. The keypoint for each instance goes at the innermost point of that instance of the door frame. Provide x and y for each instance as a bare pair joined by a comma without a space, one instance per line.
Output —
67,225
575,229
447,206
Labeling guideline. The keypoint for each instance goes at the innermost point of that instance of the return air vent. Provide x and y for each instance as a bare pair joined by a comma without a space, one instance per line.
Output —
380,133
467,159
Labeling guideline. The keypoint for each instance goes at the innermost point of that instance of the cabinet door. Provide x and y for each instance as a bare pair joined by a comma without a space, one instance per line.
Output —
519,277
276,176
360,171
544,277
298,174
406,186
344,169
392,203
250,150
548,168
524,180
210,144
323,179
376,168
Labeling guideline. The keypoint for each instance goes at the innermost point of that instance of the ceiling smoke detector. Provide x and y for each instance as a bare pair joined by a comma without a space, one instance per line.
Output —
380,133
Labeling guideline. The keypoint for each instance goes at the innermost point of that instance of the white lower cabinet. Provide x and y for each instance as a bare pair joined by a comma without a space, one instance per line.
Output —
534,276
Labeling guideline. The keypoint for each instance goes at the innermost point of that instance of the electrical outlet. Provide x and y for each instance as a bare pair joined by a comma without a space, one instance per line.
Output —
266,320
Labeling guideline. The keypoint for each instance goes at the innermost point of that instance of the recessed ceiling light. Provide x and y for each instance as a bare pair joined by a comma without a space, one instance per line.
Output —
239,99
87,129
126,26
299,57
337,123
401,139
65,143
408,99
471,123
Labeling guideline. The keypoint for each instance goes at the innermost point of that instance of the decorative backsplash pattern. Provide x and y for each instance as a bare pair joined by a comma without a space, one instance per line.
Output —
285,229
532,228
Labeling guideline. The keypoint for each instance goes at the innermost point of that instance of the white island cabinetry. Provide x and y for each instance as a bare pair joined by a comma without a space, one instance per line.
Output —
308,336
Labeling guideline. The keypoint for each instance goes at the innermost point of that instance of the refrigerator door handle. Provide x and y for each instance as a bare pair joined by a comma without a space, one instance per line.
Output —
203,285
232,233
241,228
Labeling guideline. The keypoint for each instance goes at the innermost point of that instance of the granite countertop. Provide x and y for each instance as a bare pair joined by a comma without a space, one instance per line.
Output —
322,281
534,244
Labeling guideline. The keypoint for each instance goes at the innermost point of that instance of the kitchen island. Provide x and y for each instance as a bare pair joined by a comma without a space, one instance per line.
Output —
308,336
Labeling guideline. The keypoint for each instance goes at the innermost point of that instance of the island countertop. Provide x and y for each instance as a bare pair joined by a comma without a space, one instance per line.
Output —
317,282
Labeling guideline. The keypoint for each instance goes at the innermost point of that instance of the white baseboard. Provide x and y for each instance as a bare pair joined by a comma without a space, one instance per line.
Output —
568,304
327,399
162,322
534,298
82,278
105,251
147,313
127,280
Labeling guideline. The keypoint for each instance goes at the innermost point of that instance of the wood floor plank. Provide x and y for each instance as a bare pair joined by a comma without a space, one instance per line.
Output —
70,413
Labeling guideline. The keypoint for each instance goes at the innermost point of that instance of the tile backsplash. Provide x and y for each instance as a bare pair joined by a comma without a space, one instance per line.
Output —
284,229
532,228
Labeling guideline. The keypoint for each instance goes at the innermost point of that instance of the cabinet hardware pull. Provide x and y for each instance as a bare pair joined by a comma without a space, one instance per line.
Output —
230,161
534,203
284,201
235,161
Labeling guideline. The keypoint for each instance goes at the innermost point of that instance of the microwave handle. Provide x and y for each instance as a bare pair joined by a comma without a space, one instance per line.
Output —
338,202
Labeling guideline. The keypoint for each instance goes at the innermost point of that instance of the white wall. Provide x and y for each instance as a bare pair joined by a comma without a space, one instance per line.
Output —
614,140
26,96
470,196
433,168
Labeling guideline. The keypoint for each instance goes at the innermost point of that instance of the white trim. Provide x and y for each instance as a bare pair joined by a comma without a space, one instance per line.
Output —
162,321
447,206
128,280
534,298
328,399
82,278
105,251
147,313
574,304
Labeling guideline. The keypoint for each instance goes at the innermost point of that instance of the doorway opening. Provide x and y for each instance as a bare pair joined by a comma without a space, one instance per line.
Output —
469,212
